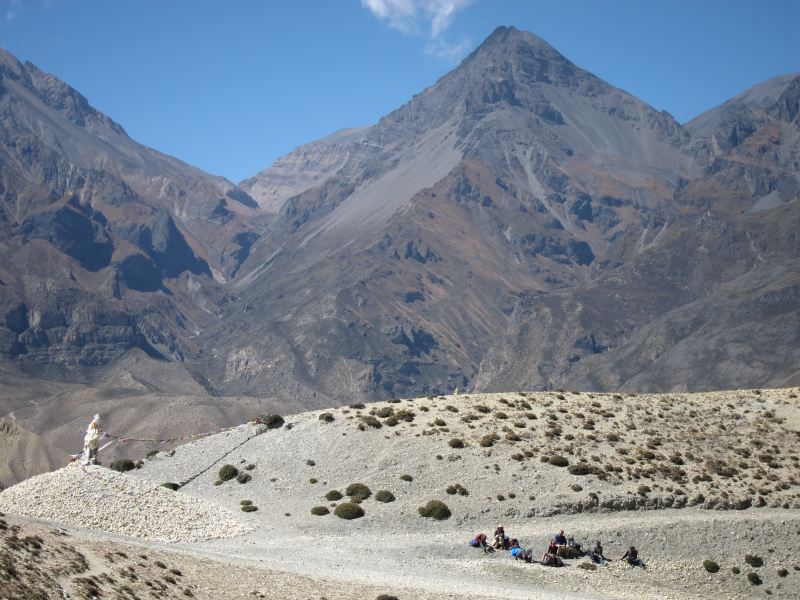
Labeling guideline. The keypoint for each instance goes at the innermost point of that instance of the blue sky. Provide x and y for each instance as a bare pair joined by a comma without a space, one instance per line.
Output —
232,85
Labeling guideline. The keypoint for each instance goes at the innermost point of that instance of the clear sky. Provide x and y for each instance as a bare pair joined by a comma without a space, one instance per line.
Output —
231,85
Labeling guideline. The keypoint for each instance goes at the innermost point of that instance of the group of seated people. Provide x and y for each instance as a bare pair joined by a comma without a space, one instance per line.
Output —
560,547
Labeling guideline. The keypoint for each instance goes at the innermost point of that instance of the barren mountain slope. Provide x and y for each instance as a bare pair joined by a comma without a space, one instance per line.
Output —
106,245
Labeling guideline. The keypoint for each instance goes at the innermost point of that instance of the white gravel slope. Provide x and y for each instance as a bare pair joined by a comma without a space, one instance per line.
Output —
102,499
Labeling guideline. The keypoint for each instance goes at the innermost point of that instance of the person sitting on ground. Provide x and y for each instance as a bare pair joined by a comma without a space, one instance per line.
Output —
519,552
500,538
551,549
479,541
596,553
560,539
632,556
571,543
570,550
550,559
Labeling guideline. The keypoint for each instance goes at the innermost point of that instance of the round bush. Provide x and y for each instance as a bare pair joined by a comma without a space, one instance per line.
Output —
326,418
589,566
171,486
435,509
754,561
406,478
456,443
245,502
243,477
487,441
123,465
753,578
371,421
358,490
558,461
782,572
272,421
320,510
580,469
711,566
386,597
349,511
384,496
228,472
333,495
249,508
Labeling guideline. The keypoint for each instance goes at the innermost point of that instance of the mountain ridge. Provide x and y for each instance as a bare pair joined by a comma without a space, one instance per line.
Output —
419,253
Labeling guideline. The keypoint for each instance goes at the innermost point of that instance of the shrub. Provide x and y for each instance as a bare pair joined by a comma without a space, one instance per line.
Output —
589,566
487,441
384,496
440,422
456,443
406,478
435,509
782,572
371,421
482,409
228,472
711,566
643,490
736,570
250,467
249,508
123,465
218,482
753,578
558,461
500,415
753,560
320,511
272,421
313,480
582,469
245,502
386,597
349,511
151,453
243,477
358,490
327,417
385,412
333,495
357,405
171,486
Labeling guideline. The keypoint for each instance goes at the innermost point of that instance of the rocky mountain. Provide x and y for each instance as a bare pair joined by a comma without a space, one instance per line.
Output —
522,223
106,245
519,224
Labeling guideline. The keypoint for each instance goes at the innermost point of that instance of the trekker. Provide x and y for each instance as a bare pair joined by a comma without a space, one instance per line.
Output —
519,552
479,541
550,559
596,553
560,539
553,547
500,538
632,556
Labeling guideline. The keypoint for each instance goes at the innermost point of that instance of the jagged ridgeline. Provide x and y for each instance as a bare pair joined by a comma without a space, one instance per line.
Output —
519,224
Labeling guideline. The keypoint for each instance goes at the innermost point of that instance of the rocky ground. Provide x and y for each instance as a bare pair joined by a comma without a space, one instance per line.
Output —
687,478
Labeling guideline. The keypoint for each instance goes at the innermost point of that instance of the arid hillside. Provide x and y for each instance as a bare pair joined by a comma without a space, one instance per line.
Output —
383,497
